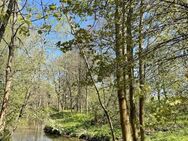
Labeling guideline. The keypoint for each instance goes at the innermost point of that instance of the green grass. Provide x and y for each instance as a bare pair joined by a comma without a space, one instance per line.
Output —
180,135
77,124
176,134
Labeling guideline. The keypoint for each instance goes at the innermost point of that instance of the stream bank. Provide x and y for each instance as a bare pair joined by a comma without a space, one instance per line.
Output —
77,125
33,131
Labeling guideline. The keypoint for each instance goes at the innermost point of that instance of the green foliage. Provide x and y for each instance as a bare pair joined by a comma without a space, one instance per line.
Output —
24,31
164,37
39,31
5,136
52,7
76,123
181,135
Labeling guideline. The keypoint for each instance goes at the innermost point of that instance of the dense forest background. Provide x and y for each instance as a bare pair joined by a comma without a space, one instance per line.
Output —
117,68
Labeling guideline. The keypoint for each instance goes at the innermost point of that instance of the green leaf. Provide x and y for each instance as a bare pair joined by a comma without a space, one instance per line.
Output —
28,22
52,7
39,31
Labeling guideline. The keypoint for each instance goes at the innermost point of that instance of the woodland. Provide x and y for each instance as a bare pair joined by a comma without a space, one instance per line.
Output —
97,70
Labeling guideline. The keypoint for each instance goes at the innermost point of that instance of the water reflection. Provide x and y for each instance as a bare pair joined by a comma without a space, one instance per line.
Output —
34,132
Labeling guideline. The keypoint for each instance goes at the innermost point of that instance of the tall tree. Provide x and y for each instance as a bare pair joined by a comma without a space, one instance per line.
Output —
8,75
141,75
123,105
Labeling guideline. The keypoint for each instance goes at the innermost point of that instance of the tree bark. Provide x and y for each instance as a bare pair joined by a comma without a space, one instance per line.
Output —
130,70
70,93
86,98
78,98
158,93
8,73
23,106
3,24
59,92
123,108
7,89
141,76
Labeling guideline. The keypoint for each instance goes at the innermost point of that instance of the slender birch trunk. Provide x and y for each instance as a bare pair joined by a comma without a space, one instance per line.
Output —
8,73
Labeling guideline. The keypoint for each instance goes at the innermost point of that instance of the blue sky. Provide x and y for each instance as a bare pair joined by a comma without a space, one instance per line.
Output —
60,29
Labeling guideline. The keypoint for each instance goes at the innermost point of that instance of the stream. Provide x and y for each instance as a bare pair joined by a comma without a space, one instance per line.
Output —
34,132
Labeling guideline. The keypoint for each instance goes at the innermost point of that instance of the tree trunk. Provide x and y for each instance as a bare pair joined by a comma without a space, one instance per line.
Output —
86,102
79,94
141,76
99,98
158,94
70,94
23,106
3,24
130,70
123,108
59,102
7,89
8,73
86,90
124,117
93,82
59,92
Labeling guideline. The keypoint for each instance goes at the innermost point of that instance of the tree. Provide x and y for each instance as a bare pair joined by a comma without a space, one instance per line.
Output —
8,75
6,16
141,76
128,48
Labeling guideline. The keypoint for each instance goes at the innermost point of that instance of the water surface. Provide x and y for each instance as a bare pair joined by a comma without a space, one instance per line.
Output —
34,132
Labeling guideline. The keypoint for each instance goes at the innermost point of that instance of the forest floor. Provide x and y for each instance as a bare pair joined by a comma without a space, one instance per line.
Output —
77,125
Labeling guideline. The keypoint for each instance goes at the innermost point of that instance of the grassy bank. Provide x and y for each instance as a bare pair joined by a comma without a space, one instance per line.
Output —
180,135
76,124
173,131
